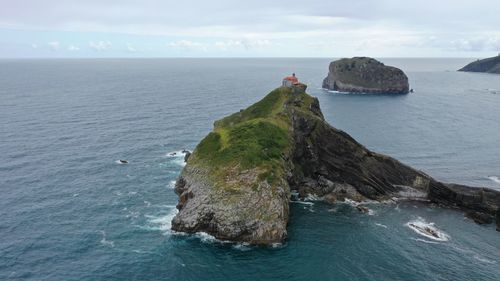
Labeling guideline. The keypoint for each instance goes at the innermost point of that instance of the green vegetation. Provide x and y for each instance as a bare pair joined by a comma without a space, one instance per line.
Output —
255,138
250,144
265,108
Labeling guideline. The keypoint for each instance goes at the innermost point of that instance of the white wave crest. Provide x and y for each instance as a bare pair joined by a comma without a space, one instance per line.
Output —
428,230
277,245
242,247
381,225
207,238
494,179
361,206
485,260
106,242
171,184
177,157
425,241
302,202
162,222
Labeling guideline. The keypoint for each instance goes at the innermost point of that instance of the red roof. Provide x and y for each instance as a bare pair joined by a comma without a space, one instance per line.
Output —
291,78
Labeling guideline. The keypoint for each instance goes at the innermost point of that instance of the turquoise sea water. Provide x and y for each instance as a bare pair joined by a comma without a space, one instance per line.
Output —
68,211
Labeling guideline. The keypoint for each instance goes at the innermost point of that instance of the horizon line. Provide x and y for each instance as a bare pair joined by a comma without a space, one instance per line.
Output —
216,57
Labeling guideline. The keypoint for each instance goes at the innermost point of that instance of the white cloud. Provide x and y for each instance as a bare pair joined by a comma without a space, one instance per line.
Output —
187,45
246,44
228,44
131,48
73,48
54,45
476,44
100,46
214,28
34,46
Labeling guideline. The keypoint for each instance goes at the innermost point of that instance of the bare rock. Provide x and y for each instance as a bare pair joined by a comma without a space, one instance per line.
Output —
365,75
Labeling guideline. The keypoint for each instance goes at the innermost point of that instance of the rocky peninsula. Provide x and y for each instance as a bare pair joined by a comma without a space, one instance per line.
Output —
238,181
489,65
365,75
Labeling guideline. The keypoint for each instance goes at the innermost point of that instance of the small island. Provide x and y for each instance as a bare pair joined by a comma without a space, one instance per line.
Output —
365,75
237,183
489,65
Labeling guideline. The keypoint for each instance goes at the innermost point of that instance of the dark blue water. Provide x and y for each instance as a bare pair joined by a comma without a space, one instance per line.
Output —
68,211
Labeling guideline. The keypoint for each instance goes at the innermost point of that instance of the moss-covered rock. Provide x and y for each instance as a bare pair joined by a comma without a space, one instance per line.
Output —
365,75
238,181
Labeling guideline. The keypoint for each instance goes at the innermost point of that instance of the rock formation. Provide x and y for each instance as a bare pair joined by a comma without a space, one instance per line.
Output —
498,219
365,75
489,65
238,181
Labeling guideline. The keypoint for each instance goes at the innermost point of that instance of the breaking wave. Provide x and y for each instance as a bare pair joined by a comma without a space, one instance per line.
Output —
428,230
171,184
494,179
177,156
106,242
163,222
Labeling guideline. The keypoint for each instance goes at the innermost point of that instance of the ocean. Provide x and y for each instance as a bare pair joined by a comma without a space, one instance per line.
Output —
70,211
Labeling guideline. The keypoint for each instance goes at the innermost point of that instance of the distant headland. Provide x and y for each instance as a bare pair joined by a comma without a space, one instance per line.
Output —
489,65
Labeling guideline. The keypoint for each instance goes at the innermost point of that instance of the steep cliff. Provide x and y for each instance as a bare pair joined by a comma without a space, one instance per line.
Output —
365,75
237,182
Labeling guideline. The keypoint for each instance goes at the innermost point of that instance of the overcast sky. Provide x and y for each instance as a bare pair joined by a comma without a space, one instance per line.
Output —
231,28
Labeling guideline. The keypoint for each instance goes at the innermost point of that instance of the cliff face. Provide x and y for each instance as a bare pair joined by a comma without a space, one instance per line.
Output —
365,75
489,65
237,183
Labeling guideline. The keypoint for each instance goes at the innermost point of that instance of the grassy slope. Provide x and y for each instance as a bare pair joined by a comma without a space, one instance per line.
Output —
254,138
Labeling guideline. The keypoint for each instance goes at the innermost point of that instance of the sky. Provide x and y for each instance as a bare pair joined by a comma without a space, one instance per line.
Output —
260,28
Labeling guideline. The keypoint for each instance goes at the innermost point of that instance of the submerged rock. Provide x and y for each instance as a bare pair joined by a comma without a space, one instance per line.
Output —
479,217
237,183
365,75
489,65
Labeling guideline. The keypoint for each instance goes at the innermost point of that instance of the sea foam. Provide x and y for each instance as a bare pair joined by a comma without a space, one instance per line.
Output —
162,222
106,242
427,229
177,157
494,179
171,184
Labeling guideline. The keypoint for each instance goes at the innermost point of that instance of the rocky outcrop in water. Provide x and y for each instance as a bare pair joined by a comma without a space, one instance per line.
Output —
489,65
365,75
238,181
498,219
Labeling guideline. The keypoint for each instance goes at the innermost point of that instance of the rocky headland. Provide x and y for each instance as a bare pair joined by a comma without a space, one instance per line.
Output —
489,65
365,75
238,181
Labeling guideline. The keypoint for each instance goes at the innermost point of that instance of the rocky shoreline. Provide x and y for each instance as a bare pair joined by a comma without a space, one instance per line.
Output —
238,181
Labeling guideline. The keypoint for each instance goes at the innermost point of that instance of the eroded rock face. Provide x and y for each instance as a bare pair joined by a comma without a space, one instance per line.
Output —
237,182
489,65
365,75
251,214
